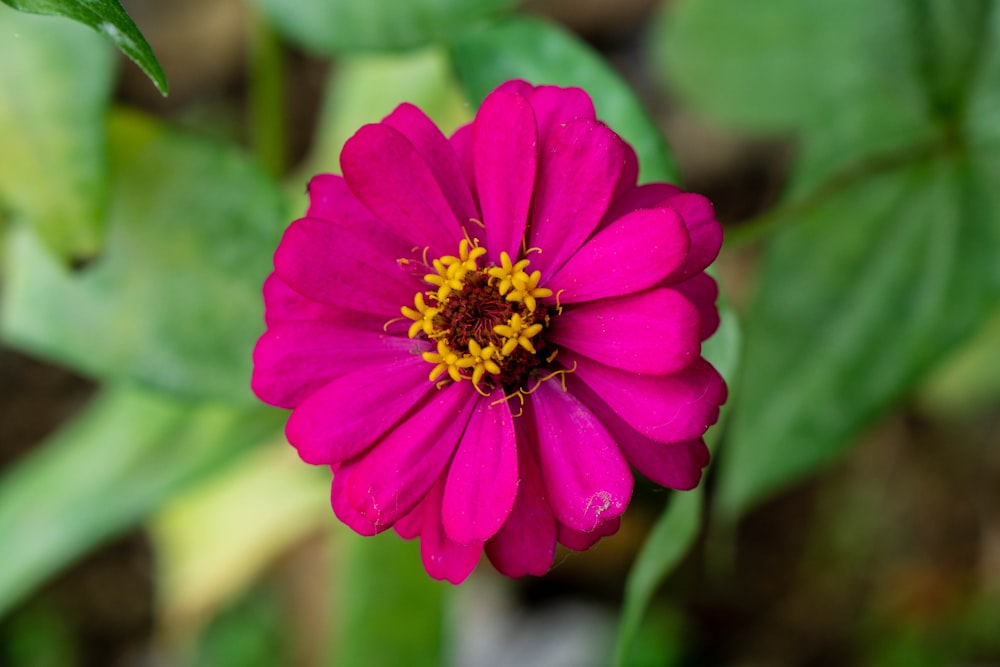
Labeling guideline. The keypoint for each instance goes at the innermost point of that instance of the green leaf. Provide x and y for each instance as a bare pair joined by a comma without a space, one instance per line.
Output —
542,53
670,539
55,84
174,302
109,469
856,301
108,18
334,26
886,258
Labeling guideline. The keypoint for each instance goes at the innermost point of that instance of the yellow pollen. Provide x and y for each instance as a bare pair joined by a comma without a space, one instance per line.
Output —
422,316
447,315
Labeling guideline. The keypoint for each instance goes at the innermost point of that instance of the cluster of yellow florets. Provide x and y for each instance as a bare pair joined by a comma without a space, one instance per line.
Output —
510,282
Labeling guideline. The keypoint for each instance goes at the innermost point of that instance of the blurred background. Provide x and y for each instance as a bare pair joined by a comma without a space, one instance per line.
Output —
852,512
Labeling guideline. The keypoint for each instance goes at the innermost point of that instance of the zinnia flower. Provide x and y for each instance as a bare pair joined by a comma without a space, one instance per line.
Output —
481,336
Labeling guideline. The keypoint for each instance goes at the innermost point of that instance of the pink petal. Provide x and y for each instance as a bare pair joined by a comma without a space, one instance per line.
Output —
506,156
388,480
343,510
631,254
580,167
630,174
409,526
295,359
444,558
440,156
526,542
461,142
655,331
578,540
516,87
650,195
702,290
482,480
555,106
334,265
668,408
675,465
284,304
586,475
330,199
704,230
346,416
697,212
387,174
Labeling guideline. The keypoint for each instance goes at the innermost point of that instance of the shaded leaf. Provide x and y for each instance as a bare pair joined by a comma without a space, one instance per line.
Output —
335,26
856,302
55,84
109,469
108,18
540,52
174,302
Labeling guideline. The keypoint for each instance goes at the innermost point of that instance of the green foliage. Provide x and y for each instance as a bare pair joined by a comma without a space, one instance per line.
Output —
174,301
54,88
106,471
108,18
335,26
679,525
381,587
666,545
539,52
887,256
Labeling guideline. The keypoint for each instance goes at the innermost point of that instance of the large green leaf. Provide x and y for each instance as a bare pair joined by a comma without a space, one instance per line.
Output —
887,258
856,301
334,26
108,18
55,83
531,49
174,302
108,470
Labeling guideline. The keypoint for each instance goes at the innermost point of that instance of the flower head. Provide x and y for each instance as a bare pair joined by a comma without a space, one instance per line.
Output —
482,335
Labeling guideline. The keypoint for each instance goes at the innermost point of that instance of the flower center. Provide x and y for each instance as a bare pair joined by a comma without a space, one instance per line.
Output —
487,322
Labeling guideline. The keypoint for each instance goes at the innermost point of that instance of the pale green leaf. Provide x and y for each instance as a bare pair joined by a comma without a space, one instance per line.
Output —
174,301
118,462
55,84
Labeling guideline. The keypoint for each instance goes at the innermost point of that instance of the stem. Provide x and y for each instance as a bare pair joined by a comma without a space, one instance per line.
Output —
765,224
268,136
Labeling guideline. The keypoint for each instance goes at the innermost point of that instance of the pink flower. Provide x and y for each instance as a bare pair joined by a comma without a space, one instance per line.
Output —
482,335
